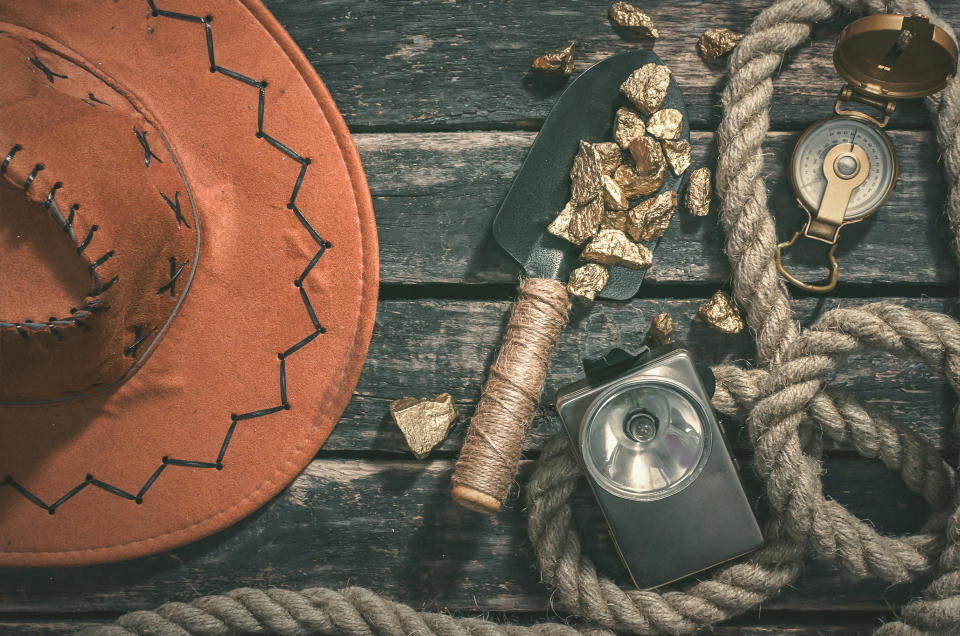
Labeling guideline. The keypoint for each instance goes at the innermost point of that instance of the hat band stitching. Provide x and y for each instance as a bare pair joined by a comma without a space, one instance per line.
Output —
6,162
148,154
175,272
67,224
46,71
323,244
175,206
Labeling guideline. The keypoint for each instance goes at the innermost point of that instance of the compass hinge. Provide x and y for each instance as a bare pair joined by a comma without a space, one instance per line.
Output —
848,94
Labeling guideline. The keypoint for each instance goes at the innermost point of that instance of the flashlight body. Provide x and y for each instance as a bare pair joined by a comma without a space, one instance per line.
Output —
673,501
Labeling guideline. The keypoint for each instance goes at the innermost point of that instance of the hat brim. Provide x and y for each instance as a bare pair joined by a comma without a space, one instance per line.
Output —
200,437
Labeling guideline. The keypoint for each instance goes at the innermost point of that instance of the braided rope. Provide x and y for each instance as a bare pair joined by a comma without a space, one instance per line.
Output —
786,402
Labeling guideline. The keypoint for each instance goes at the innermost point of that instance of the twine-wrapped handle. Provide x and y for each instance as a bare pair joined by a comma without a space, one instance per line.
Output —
491,452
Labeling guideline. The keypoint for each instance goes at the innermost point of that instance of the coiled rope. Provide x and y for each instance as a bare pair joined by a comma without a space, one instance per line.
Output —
786,402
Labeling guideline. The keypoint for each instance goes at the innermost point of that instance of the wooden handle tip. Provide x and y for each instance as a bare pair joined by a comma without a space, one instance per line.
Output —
475,500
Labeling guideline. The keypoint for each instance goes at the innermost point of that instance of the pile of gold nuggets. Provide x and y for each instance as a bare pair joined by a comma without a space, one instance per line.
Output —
606,177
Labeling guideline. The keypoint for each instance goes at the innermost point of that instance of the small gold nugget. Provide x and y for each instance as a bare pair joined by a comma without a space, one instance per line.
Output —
613,196
613,247
651,218
665,124
699,192
633,20
424,423
715,43
647,86
661,330
577,223
610,157
720,313
678,155
556,62
627,126
586,175
648,171
613,220
587,281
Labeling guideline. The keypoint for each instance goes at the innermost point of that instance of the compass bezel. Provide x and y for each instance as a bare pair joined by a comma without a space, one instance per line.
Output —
861,119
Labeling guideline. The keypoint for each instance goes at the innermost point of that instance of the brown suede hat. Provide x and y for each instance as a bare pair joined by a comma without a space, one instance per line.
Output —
188,272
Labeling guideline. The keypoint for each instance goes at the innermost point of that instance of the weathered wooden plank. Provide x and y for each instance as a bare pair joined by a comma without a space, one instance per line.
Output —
425,347
434,63
54,627
391,526
436,194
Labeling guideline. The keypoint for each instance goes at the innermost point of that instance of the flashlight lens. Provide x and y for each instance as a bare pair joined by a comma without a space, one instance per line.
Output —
645,440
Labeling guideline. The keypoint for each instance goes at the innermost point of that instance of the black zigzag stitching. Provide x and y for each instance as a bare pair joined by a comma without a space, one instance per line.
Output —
323,246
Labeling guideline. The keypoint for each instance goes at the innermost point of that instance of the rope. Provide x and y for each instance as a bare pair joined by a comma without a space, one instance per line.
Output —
788,407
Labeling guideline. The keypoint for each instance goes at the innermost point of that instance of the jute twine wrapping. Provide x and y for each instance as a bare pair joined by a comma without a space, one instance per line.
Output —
491,451
786,400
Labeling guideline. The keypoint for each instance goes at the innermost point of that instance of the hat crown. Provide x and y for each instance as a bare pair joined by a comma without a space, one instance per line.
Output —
98,236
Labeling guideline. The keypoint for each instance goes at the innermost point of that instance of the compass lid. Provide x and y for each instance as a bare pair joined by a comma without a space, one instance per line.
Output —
895,56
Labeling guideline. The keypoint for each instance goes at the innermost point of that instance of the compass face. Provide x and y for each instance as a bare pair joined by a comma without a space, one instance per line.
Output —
807,175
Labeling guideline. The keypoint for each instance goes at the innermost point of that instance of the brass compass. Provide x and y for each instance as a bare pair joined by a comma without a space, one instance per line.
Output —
845,167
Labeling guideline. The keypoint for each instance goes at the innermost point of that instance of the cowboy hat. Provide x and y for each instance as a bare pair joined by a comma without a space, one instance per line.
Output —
188,272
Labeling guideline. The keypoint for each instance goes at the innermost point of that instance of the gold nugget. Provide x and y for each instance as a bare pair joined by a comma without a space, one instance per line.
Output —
586,219
665,124
715,43
424,423
651,218
720,313
648,171
699,192
556,62
633,20
678,155
627,126
610,157
661,330
613,247
577,223
587,281
647,86
613,220
613,196
586,175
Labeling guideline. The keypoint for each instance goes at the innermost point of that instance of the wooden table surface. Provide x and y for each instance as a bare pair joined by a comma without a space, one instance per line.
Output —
442,109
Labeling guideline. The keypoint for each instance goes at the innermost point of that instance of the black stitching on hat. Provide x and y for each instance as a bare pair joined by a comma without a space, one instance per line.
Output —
93,98
139,336
100,261
209,30
260,102
96,304
97,291
174,275
33,175
6,162
83,245
175,206
50,74
68,224
147,153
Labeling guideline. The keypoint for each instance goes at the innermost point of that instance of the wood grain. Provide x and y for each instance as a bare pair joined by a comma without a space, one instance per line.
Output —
391,526
444,65
424,347
435,196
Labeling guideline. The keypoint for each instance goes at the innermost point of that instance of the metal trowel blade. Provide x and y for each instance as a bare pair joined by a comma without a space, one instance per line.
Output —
585,111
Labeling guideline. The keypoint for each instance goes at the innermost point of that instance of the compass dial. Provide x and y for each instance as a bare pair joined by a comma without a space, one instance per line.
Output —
809,181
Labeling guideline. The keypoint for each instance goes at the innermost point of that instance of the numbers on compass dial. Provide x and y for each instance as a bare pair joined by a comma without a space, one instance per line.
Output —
808,177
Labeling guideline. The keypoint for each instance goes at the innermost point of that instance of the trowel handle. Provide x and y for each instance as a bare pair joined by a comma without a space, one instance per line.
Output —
490,455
